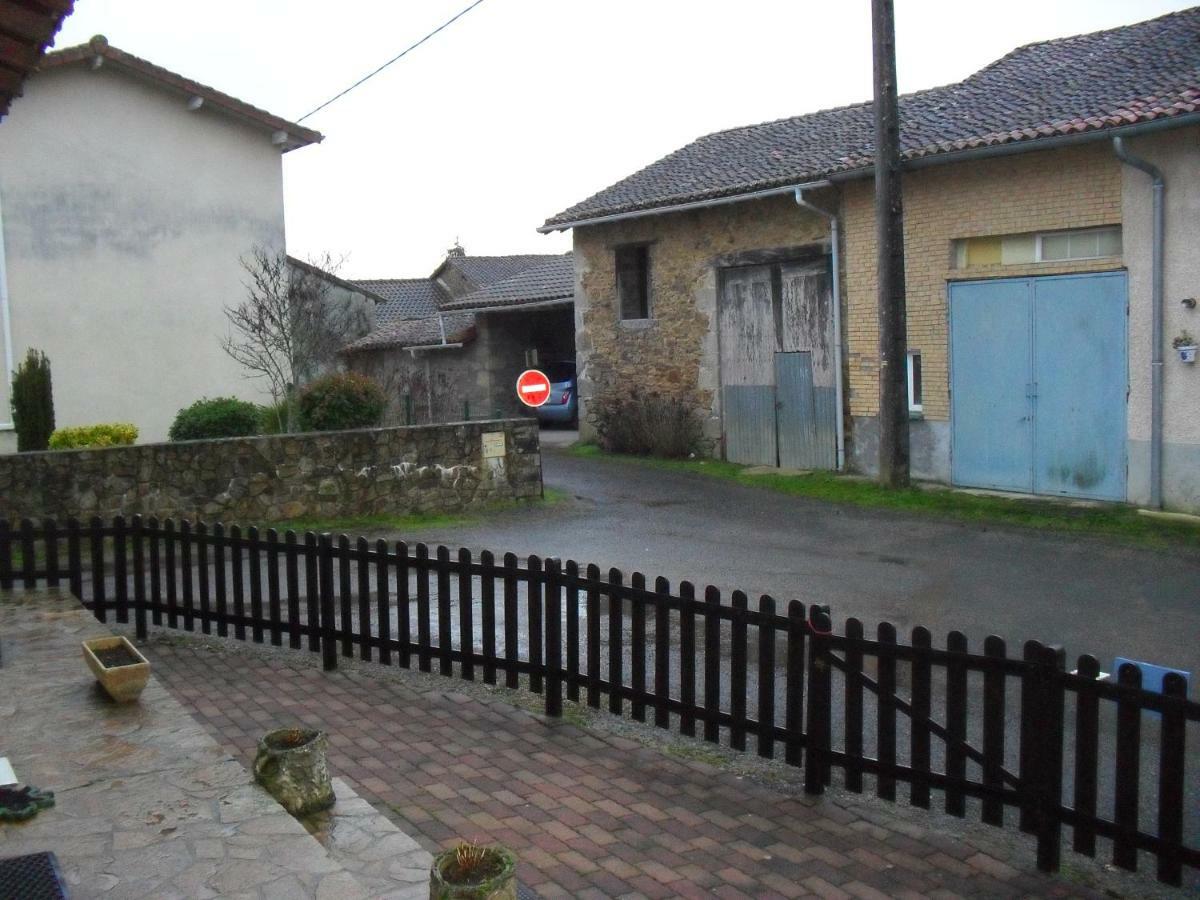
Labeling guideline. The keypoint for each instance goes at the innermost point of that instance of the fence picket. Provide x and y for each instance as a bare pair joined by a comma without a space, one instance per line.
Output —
291,562
445,642
421,564
218,537
345,595
737,672
554,681
200,537
139,579
712,664
511,625
99,587
1171,761
885,719
919,731
1128,769
169,544
615,652
466,623
74,557
1029,737
1049,833
637,648
312,591
687,659
853,724
662,653
403,605
362,566
50,543
820,702
571,583
533,622
120,565
6,560
383,602
274,612
329,650
29,558
238,575
593,636
993,728
156,598
956,724
256,605
766,678
794,701
487,604
1087,740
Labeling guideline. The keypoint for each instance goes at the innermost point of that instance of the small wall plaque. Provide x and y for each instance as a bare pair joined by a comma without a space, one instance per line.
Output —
493,445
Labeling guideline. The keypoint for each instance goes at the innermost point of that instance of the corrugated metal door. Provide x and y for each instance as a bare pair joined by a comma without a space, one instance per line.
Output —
804,372
748,343
1080,375
990,364
1038,384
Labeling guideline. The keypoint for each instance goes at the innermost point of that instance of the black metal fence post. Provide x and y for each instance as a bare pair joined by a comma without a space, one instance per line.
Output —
329,650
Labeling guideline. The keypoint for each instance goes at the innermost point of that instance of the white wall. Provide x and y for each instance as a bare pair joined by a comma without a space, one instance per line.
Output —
124,218
1177,153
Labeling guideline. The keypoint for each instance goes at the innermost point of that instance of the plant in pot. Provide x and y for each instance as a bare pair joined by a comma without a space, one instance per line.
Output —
1186,345
473,872
291,765
118,666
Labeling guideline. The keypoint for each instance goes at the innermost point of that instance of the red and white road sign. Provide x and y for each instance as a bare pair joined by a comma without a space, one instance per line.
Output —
533,388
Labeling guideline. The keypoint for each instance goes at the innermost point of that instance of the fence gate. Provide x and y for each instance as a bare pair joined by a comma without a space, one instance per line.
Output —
1038,382
777,375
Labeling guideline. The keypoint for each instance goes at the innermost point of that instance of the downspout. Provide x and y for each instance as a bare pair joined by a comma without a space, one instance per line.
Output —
1157,188
6,327
837,322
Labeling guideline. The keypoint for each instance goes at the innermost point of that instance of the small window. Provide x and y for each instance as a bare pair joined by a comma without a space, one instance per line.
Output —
1033,247
914,382
633,281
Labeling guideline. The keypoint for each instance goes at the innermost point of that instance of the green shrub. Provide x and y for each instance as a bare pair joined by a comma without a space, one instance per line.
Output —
341,400
648,426
106,434
33,402
220,417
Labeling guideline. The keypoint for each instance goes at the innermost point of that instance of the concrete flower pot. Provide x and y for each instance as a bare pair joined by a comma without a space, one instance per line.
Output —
121,670
496,879
291,765
1187,353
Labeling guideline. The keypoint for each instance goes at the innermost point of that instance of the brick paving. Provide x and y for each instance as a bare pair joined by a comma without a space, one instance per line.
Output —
590,814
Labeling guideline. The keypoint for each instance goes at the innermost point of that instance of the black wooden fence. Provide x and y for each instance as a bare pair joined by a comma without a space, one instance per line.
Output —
988,731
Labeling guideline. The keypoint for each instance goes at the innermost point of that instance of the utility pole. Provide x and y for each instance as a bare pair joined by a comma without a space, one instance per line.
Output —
889,231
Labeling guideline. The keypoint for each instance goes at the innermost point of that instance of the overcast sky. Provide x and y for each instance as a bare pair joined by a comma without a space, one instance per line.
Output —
524,107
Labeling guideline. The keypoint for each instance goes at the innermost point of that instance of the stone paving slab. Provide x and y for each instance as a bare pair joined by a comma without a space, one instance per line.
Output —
590,814
148,804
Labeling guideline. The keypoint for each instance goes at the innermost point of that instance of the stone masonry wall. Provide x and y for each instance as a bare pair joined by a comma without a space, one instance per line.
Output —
674,352
390,471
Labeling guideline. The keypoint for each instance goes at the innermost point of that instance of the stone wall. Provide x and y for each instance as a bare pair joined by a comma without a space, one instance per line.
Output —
383,471
674,352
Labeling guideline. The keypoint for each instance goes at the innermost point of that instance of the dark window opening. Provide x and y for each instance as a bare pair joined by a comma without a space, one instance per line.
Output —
914,382
633,281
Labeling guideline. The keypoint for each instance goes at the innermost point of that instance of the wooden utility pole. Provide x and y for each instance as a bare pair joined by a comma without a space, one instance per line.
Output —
889,231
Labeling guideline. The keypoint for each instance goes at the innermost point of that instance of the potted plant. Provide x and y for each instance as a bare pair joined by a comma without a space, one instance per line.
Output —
121,670
290,764
472,872
1186,345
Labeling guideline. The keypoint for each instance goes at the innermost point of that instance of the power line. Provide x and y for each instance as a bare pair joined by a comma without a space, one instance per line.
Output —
395,58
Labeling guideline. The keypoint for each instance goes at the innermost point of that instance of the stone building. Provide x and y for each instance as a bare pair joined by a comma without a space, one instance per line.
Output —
450,347
738,274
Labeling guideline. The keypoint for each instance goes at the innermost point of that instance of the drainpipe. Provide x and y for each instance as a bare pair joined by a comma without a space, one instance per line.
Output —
837,322
5,326
1157,187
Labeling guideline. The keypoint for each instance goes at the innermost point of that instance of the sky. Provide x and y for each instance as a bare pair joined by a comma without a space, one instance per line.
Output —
525,107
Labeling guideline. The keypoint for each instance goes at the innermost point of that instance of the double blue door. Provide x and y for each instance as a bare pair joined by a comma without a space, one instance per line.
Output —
1038,384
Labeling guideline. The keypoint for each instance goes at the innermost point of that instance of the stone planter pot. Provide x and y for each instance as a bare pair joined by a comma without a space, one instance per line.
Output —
290,764
499,881
121,670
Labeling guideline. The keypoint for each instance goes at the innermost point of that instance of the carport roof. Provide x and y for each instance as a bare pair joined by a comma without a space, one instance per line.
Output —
426,332
1052,89
553,279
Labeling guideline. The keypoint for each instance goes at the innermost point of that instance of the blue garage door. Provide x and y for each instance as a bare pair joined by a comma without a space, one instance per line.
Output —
1038,384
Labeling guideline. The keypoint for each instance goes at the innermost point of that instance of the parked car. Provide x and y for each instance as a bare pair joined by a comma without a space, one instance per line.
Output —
563,406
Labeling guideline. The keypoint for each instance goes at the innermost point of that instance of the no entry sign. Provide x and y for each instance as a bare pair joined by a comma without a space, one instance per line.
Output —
533,388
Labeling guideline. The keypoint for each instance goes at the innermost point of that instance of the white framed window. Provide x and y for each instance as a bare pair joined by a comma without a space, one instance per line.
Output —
914,382
1038,246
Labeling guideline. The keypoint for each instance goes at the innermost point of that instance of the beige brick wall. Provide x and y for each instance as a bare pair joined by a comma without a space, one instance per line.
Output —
1050,189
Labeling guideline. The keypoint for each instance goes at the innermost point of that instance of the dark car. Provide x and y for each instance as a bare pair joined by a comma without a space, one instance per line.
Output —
563,406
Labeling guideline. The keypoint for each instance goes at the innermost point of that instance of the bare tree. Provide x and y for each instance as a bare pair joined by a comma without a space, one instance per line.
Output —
289,326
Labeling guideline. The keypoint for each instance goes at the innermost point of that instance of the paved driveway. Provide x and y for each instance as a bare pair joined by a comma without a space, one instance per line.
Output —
1092,595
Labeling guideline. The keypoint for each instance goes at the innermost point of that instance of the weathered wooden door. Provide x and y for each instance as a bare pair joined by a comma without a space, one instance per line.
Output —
777,370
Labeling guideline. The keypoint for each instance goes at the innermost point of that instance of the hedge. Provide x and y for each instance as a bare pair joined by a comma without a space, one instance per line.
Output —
105,434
